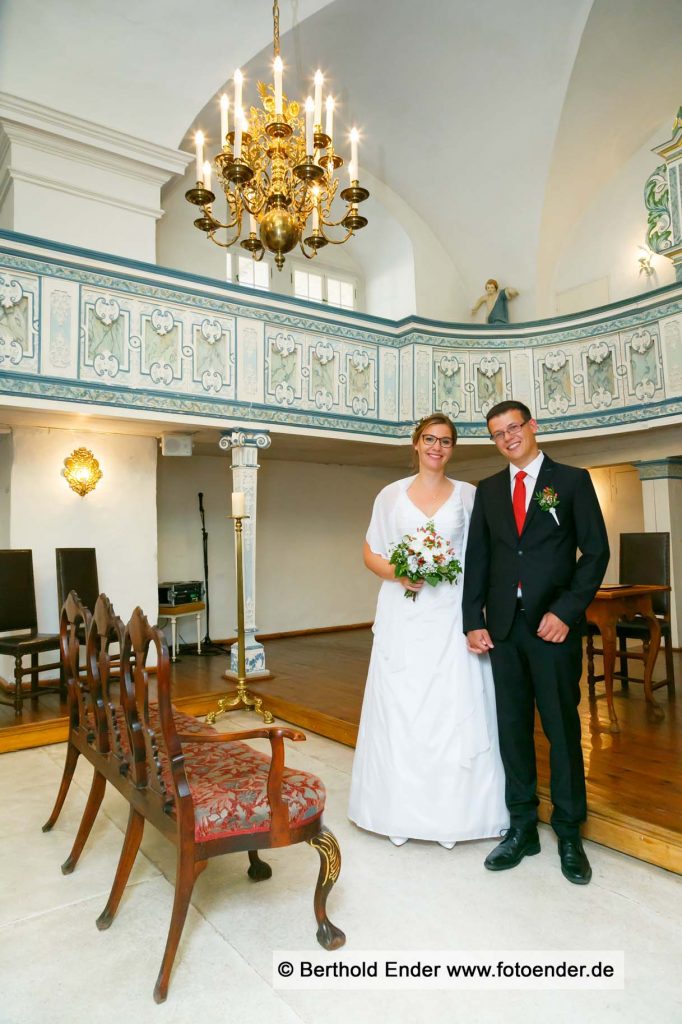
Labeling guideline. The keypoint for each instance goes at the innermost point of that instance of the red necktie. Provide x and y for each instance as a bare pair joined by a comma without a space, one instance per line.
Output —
519,500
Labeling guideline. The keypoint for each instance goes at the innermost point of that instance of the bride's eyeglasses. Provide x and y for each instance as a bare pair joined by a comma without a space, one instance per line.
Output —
431,439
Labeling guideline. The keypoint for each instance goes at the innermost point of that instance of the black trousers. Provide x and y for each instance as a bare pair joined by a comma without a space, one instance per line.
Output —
529,671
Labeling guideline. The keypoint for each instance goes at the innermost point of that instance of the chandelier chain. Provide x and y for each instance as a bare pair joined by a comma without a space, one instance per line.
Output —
275,26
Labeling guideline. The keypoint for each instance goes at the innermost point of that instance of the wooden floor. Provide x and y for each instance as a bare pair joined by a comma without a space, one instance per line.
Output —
634,778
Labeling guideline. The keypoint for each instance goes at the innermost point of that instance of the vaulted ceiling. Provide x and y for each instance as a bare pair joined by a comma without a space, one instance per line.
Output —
497,123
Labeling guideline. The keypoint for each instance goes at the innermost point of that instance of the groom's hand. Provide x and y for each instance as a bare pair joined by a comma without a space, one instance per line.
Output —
478,641
552,629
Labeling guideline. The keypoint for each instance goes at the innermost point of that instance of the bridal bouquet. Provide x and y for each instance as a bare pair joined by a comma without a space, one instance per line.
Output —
426,556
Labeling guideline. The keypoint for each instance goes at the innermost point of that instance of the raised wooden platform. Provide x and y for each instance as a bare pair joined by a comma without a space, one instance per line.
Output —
634,778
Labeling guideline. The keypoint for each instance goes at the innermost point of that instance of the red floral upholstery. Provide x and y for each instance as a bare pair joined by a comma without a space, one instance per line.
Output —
229,781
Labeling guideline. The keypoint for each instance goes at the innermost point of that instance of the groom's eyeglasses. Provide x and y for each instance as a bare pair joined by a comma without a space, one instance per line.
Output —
431,439
513,429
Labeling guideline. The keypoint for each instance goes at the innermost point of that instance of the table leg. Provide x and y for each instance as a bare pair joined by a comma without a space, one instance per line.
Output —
174,637
608,635
652,652
198,632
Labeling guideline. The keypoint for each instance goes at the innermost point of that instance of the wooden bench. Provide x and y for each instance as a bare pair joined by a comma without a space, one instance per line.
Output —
209,793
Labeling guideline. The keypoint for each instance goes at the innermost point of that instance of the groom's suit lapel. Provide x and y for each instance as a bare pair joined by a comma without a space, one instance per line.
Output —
545,477
504,500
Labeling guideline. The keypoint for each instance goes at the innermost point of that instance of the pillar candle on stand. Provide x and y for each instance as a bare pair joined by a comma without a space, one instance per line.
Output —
238,503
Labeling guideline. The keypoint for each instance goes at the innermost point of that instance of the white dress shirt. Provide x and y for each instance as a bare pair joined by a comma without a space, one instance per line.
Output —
532,471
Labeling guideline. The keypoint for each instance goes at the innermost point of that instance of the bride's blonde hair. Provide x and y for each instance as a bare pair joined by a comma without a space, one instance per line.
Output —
435,418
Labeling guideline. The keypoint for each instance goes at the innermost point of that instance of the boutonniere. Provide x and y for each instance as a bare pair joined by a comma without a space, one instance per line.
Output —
548,500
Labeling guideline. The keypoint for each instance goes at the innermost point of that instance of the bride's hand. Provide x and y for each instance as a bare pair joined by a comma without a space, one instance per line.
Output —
406,582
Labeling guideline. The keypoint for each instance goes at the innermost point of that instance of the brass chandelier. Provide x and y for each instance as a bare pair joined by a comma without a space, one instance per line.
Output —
278,172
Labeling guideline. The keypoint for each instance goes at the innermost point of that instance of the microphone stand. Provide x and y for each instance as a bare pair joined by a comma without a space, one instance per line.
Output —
207,646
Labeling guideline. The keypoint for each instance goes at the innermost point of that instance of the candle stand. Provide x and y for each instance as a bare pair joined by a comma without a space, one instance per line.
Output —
241,697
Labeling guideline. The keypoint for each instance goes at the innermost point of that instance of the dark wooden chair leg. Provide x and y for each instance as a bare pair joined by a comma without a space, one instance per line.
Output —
72,755
328,935
623,656
87,821
669,670
18,692
187,873
35,660
131,844
590,664
258,869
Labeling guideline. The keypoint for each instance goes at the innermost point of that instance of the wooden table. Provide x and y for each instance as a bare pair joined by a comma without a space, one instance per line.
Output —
610,604
173,612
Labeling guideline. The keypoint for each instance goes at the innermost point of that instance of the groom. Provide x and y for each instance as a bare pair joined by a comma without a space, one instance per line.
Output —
524,601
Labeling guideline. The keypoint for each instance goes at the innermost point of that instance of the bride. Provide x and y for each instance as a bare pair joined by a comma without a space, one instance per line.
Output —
427,761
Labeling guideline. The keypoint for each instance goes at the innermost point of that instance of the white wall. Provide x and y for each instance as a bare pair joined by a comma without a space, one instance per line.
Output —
312,520
5,474
619,490
118,518
605,242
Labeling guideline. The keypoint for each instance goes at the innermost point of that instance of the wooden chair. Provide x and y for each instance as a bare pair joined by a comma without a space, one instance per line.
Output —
77,571
18,617
643,558
209,793
88,734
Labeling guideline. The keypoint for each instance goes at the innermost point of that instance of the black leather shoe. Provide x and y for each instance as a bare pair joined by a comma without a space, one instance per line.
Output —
517,844
574,863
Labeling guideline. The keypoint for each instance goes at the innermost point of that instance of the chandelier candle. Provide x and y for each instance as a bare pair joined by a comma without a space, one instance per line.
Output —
224,118
268,167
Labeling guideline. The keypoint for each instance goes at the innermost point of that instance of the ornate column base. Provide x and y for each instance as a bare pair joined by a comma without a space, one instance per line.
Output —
255,660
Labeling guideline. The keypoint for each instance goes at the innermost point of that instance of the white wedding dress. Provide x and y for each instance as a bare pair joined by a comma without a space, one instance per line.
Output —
427,761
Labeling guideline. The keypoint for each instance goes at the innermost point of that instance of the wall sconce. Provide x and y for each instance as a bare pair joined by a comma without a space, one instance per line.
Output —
82,472
644,260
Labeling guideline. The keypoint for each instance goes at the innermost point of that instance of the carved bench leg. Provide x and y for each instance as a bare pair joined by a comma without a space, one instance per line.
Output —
87,821
258,869
72,755
187,873
328,935
131,844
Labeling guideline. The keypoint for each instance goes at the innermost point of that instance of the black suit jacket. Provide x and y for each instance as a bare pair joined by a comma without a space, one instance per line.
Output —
543,558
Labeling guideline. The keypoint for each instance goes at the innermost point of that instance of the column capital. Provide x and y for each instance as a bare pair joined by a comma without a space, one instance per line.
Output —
241,438
660,469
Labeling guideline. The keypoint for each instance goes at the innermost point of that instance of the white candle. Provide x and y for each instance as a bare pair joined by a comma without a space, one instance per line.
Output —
316,217
207,175
309,110
238,80
329,127
278,87
199,143
252,224
354,136
351,172
319,81
224,122
238,503
238,127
